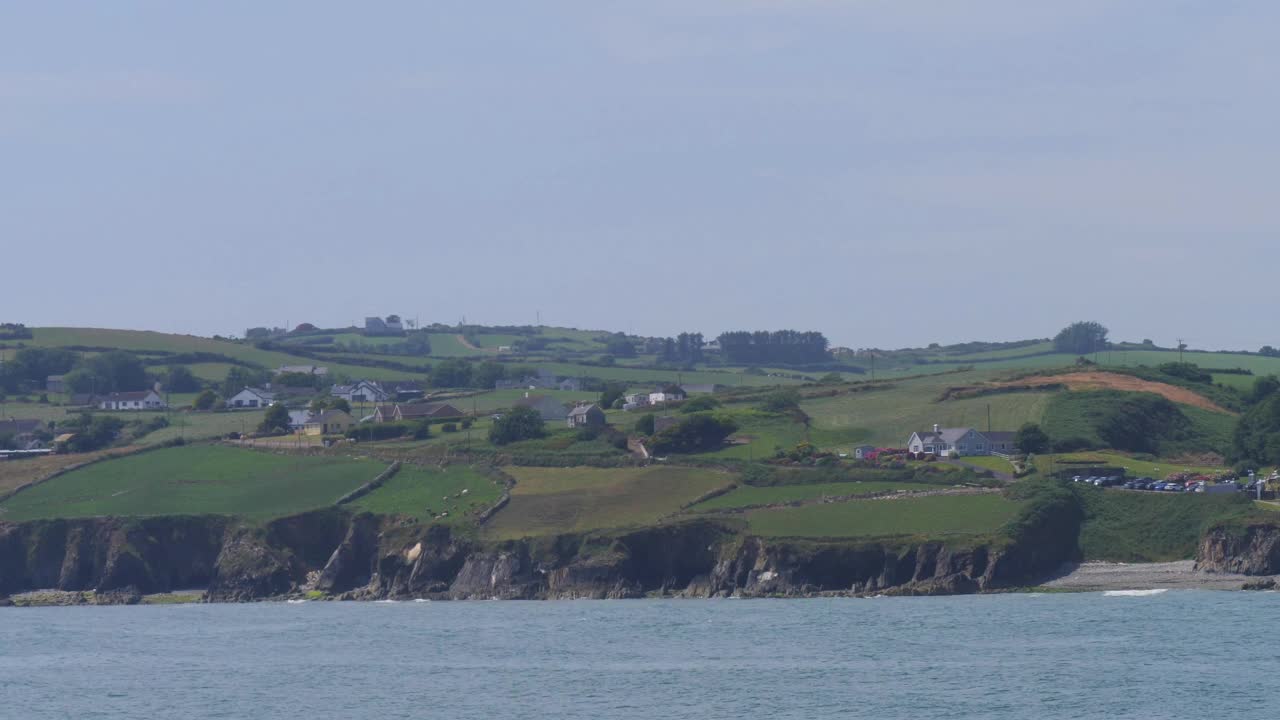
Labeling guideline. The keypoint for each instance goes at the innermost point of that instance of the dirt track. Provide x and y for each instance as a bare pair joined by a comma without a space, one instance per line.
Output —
1112,381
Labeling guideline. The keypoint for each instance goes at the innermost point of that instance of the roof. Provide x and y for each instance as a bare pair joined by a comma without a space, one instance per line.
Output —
299,417
947,435
583,410
428,409
16,426
329,416
264,394
1000,436
132,395
698,387
54,377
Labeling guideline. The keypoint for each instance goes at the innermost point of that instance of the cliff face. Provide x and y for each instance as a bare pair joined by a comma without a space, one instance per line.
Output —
371,557
1253,551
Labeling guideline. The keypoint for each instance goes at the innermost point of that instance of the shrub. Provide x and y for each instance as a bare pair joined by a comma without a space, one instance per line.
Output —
697,432
644,425
699,404
522,423
449,427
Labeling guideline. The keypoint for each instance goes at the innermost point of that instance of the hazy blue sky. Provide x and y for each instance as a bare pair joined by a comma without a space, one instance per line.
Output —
889,172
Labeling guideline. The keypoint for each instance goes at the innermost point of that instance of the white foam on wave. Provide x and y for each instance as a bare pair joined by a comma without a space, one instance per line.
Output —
295,602
421,600
1134,593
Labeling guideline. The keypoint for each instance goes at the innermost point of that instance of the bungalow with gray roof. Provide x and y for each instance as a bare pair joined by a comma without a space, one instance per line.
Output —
949,442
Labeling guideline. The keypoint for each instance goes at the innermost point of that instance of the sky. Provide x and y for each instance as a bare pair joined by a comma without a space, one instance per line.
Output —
891,173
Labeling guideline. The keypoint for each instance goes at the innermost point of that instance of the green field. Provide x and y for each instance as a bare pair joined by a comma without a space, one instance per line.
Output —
555,500
935,516
749,496
205,479
1157,469
887,418
990,462
424,493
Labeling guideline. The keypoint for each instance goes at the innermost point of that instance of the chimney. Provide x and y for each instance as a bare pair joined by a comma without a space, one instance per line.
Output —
936,428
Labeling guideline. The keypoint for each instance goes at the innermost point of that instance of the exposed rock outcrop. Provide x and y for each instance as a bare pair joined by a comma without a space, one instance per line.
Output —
1251,550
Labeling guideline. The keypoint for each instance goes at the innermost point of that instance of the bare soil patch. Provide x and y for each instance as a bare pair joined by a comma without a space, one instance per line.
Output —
1093,380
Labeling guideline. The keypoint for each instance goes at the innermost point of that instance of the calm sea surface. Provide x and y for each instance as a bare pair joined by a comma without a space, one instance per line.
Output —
1173,655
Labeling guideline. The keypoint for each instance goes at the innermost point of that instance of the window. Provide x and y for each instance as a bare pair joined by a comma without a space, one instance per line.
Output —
978,447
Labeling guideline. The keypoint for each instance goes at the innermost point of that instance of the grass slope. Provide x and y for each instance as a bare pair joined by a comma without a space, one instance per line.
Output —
888,417
1123,526
935,516
423,493
555,500
194,480
749,496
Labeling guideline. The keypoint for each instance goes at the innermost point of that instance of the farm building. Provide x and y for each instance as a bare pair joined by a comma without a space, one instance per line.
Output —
54,384
302,370
376,326
140,400
422,411
862,452
586,416
298,419
946,442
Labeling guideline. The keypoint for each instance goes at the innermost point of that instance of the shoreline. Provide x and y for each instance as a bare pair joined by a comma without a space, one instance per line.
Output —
1081,578
1176,575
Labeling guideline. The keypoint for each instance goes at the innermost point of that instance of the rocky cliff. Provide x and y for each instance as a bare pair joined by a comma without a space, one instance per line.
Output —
369,557
1253,549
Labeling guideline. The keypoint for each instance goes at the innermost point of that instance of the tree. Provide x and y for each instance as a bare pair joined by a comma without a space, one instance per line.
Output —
340,404
782,400
645,424
205,400
700,403
94,432
1263,388
117,371
1081,338
1257,435
276,420
239,378
451,373
697,432
831,378
487,374
619,345
180,379
613,391
1269,351
319,405
1030,439
522,423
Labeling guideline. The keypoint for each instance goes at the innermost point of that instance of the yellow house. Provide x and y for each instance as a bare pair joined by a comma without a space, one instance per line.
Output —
329,422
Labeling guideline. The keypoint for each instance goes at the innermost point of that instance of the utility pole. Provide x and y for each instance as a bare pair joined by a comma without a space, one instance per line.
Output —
1180,346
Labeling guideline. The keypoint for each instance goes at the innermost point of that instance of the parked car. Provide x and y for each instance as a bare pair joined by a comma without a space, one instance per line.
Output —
1157,486
1173,487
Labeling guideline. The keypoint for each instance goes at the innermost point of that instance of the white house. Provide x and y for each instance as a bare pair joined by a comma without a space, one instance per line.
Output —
670,394
303,370
140,400
251,398
948,442
635,401
364,391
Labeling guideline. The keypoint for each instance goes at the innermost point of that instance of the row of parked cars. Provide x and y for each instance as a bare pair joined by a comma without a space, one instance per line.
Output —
1146,483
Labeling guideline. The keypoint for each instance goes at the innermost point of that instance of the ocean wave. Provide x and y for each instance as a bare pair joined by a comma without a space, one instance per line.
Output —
1134,593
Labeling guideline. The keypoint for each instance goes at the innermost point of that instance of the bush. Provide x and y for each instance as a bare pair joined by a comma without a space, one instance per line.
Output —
699,404
697,432
385,431
780,401
522,423
449,427
467,423
644,425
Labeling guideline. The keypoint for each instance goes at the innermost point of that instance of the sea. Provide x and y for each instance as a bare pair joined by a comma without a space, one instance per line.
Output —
1138,654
